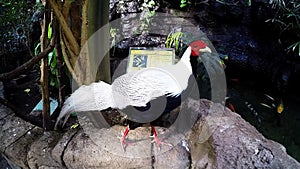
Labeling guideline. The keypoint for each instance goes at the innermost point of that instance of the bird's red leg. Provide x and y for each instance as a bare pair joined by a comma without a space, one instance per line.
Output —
123,139
157,140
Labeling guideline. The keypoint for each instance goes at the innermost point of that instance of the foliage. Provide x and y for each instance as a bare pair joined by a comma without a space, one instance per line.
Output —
184,3
294,47
53,68
74,126
187,3
287,18
113,37
51,60
13,16
174,39
179,40
148,9
277,3
244,2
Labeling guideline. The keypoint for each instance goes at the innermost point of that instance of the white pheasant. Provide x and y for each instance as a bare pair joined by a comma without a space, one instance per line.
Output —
134,89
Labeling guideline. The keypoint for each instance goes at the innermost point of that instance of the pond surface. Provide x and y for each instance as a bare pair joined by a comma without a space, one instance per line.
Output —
3,163
246,96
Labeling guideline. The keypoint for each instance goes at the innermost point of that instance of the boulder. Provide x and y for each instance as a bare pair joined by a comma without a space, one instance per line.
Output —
106,151
219,139
222,139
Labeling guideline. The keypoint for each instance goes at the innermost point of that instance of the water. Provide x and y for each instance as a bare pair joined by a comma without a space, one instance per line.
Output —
3,163
283,128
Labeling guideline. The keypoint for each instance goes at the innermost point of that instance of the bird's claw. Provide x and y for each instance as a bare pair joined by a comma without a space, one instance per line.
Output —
124,144
159,142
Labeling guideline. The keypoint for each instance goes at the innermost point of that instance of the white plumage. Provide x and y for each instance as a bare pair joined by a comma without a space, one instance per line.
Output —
135,89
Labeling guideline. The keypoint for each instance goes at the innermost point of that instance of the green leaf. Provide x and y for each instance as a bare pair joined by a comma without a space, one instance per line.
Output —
151,13
52,82
294,46
151,3
74,126
52,56
27,90
53,64
176,44
182,5
55,72
36,49
249,2
49,31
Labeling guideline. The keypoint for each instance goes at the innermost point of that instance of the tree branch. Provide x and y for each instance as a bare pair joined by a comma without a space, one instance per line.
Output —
45,67
67,31
67,62
29,64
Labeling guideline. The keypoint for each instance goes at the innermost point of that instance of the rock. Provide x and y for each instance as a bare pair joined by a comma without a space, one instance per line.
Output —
177,157
230,11
40,153
222,139
106,151
58,151
218,139
82,152
18,151
4,112
12,128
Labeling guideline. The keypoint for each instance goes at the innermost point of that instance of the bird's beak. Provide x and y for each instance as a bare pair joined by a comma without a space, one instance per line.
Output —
206,49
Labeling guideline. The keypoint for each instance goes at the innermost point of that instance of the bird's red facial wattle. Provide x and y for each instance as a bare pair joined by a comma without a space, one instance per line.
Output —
197,46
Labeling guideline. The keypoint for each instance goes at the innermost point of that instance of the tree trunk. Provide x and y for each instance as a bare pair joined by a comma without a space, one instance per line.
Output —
98,16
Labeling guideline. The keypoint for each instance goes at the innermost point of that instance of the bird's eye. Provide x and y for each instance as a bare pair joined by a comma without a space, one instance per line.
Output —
195,46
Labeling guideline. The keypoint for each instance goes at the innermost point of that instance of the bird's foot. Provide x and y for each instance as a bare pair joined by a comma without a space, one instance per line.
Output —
158,141
124,143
